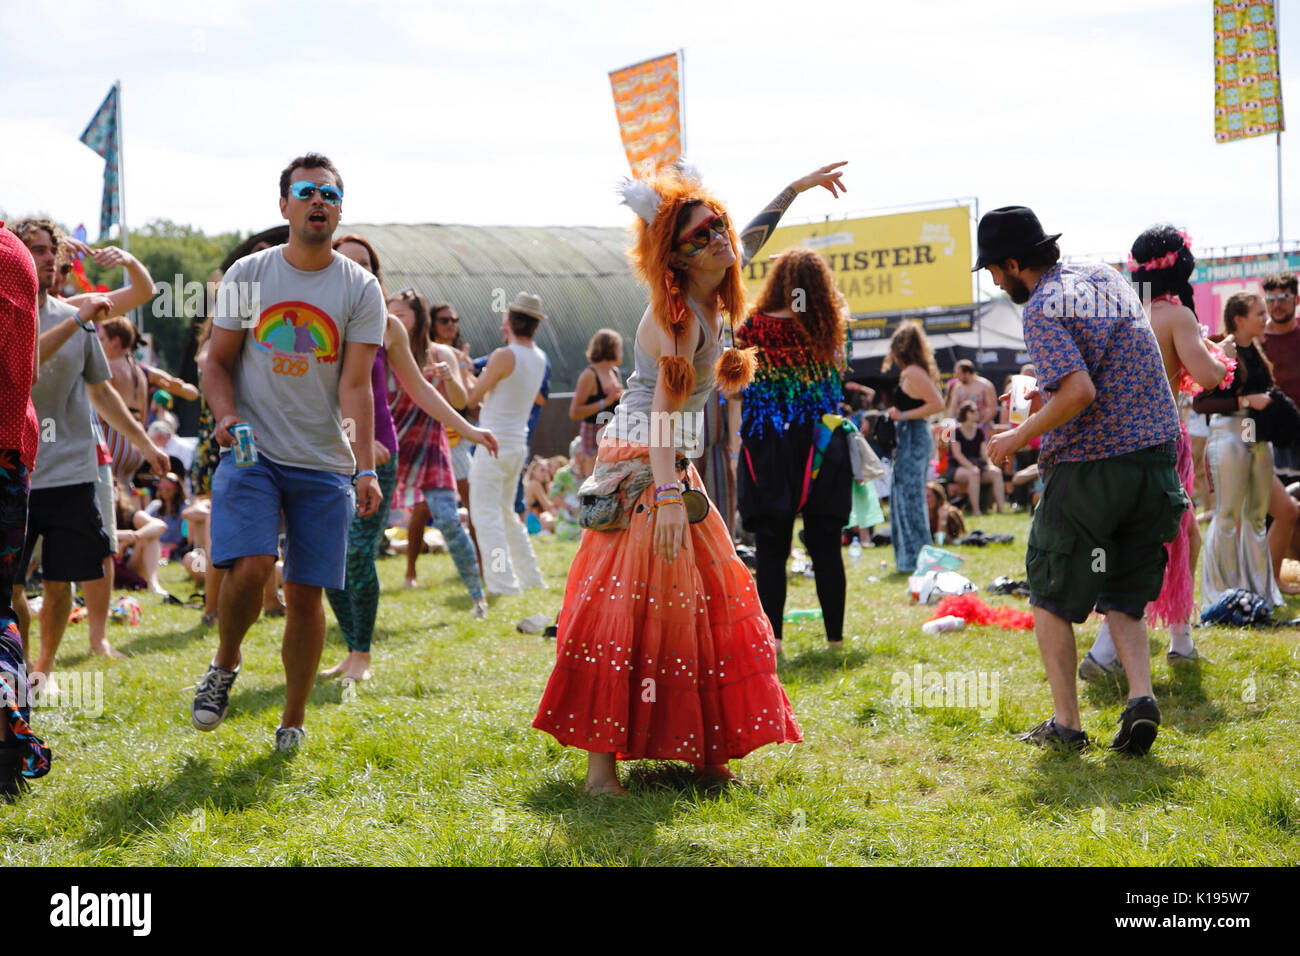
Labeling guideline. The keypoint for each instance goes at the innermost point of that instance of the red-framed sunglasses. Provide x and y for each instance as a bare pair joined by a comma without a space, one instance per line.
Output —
698,240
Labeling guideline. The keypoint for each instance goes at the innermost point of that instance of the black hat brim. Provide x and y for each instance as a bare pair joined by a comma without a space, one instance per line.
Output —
987,258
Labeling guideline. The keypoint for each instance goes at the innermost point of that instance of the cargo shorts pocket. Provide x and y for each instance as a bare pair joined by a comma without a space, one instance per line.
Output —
1048,561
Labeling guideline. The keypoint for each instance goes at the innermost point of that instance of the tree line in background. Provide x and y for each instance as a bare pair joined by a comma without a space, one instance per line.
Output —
168,250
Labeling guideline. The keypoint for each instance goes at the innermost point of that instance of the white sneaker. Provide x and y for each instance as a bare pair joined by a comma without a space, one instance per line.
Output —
289,739
480,610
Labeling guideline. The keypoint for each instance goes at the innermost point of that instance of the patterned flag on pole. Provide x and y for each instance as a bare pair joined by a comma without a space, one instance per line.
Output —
101,136
647,100
1247,87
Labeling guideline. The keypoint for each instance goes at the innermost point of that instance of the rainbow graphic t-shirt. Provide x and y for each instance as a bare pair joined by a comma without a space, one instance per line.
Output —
296,326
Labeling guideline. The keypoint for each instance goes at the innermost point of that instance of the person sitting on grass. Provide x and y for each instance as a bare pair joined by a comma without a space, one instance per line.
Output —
968,460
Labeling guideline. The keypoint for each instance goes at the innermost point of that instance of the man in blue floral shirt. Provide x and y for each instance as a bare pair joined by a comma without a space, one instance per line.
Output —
1111,495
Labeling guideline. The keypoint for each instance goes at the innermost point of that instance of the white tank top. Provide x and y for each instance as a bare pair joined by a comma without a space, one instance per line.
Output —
505,410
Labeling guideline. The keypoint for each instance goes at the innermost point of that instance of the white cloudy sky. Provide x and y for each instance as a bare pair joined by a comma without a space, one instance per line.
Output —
1098,113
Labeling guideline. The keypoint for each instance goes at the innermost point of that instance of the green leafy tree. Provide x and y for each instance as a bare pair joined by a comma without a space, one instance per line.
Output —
175,255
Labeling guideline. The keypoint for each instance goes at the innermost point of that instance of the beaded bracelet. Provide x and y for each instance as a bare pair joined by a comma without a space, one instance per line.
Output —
671,486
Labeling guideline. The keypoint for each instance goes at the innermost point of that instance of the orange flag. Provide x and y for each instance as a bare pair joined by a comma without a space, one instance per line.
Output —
647,100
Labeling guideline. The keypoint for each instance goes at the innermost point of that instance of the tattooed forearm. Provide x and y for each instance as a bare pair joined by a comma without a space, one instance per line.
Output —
758,231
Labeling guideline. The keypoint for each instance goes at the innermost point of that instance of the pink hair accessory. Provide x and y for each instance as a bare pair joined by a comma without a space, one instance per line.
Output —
1163,262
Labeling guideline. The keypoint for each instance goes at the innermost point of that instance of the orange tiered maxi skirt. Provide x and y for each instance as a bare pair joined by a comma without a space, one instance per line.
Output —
659,660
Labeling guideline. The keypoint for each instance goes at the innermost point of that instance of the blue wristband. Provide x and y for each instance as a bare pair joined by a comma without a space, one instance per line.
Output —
361,474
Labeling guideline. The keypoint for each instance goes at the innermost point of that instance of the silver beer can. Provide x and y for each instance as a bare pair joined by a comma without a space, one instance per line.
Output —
244,449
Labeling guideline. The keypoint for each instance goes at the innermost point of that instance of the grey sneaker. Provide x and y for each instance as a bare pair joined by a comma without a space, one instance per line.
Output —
1174,658
480,610
212,697
289,739
1052,735
1091,669
533,624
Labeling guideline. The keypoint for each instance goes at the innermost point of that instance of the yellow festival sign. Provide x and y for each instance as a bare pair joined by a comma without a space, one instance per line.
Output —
910,260
1247,87
647,100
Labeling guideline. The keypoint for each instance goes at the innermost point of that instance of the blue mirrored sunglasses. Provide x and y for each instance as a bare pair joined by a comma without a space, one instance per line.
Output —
305,190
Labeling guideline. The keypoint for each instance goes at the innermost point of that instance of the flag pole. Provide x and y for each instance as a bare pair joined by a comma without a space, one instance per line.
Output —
1281,248
681,96
123,237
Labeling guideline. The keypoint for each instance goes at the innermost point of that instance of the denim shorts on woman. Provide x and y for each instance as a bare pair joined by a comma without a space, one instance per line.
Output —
1098,537
318,507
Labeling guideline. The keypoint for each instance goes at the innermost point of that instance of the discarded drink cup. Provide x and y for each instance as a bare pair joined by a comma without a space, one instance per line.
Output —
244,448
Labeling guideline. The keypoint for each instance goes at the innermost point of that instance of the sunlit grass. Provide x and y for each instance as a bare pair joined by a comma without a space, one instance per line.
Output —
434,760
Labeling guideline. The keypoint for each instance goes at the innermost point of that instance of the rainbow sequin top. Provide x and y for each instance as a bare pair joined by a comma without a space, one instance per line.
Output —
790,387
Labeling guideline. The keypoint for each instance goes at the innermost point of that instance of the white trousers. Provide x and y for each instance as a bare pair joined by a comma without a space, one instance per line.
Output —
509,564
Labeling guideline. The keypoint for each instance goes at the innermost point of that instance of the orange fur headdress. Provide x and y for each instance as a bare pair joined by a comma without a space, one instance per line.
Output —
658,201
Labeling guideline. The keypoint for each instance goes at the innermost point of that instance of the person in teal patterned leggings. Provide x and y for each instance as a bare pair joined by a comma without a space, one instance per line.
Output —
356,606
916,398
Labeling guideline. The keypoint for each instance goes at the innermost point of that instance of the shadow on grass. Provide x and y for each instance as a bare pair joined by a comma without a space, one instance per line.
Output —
149,807
167,640
1183,702
623,830
819,663
1101,779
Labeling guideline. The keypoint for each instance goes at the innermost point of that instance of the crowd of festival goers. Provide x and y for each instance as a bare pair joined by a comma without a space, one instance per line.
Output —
377,431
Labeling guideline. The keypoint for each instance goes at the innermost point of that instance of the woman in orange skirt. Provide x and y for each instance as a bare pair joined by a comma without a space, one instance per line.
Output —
663,650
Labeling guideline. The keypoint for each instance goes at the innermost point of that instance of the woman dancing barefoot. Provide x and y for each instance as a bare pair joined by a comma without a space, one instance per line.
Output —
663,649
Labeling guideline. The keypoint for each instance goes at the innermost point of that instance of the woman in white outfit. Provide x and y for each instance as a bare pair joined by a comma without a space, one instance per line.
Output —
506,391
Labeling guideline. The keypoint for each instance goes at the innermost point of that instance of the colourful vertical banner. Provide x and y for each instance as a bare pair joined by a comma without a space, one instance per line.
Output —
1247,87
102,136
647,98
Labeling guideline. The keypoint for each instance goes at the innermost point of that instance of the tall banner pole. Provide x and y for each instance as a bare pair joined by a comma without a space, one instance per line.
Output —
1281,247
681,96
124,238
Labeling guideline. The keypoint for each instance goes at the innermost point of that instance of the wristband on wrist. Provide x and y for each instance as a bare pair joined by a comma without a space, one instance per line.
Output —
361,474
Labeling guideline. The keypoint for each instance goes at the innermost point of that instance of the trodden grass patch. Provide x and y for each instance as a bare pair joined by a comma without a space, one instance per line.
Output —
434,762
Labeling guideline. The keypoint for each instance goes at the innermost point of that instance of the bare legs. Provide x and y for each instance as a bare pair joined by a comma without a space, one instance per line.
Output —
1284,511
415,539
1056,644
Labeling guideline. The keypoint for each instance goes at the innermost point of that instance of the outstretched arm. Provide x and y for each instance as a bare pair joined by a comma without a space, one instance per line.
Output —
430,400
762,225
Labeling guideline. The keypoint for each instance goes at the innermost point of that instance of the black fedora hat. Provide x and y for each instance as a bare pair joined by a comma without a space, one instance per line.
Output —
1009,231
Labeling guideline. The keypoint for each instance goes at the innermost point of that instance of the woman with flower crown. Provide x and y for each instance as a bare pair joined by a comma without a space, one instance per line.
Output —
663,650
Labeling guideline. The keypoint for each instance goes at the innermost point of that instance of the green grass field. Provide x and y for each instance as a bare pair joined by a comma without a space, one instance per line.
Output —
434,761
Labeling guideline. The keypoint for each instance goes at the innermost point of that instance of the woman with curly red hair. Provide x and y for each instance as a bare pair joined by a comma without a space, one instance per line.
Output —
663,649
794,456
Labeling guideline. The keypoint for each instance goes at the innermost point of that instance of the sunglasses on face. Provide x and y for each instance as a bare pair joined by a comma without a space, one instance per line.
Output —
1278,297
447,320
698,240
305,190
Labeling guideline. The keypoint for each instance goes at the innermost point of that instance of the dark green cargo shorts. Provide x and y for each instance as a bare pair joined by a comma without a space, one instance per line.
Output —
1097,539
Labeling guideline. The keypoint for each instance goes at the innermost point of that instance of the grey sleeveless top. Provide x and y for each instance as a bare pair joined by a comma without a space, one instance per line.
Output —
631,421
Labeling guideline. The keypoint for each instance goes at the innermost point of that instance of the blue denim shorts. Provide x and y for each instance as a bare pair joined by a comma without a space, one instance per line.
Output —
318,508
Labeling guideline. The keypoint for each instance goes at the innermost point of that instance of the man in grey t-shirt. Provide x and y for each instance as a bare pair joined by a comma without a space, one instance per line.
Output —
293,341
63,509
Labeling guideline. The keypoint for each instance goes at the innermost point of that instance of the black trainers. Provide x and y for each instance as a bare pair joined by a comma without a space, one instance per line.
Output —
1137,727
12,783
1050,734
212,697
